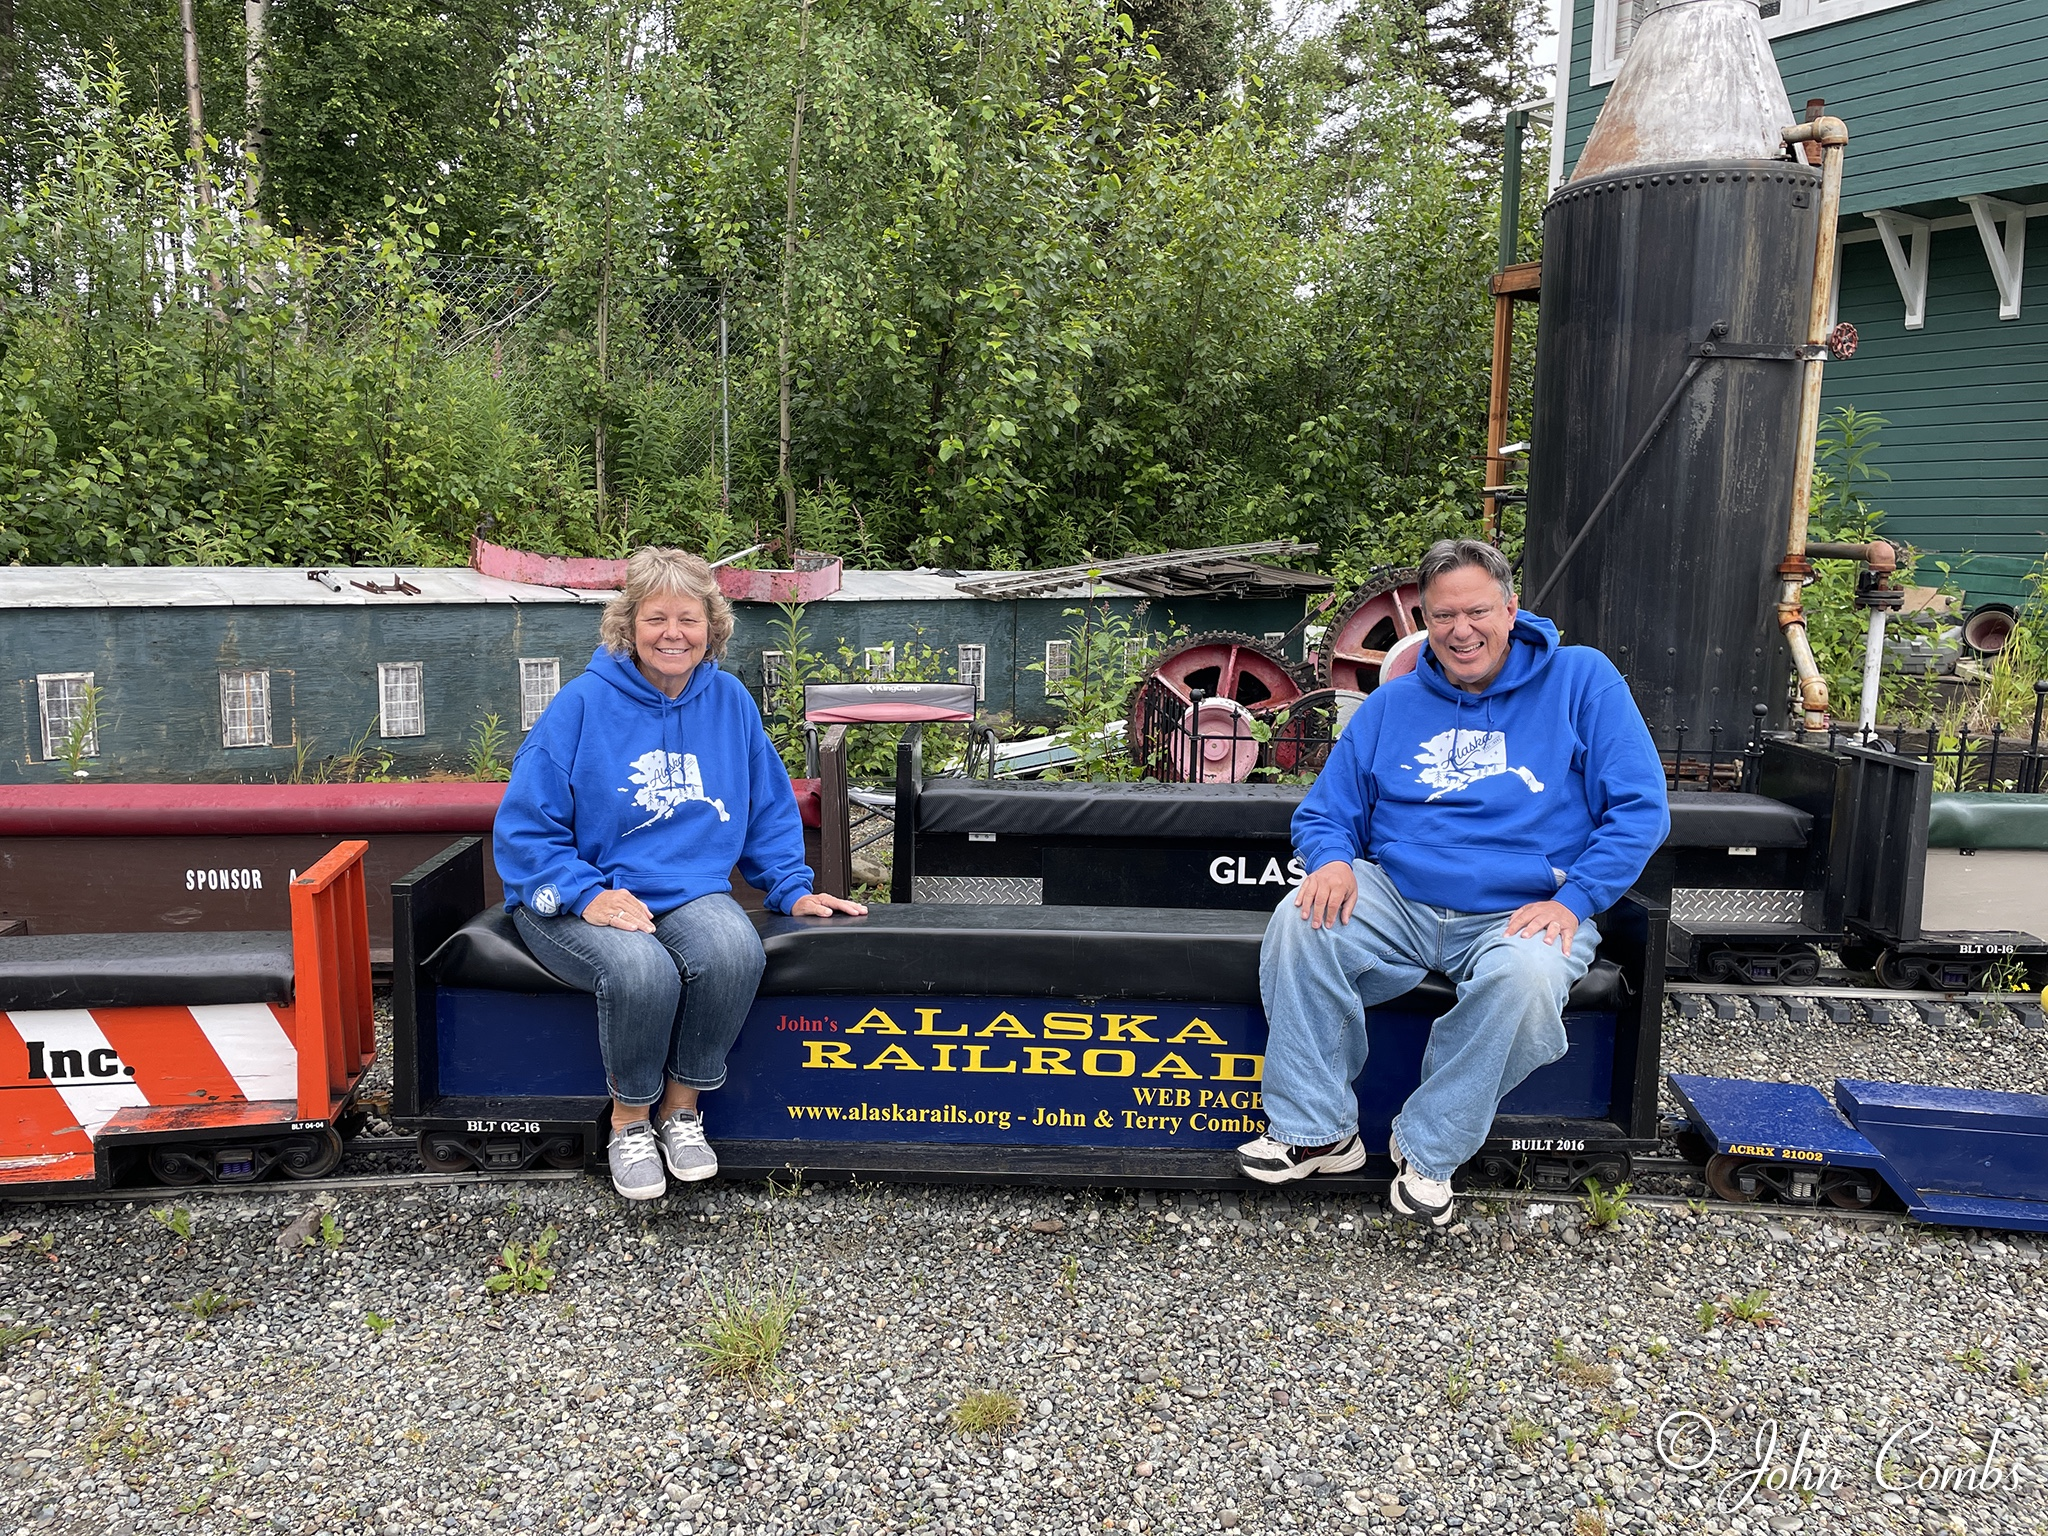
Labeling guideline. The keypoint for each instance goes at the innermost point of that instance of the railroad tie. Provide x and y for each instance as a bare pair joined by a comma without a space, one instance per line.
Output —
1839,1010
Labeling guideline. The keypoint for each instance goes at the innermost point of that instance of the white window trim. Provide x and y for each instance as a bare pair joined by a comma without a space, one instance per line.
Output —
772,663
259,719
53,745
867,662
388,672
544,665
1794,16
1056,675
980,668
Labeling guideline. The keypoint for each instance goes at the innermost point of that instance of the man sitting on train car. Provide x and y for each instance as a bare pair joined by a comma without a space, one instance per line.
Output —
1473,817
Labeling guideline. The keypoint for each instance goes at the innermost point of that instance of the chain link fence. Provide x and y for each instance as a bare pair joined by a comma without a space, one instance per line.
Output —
650,355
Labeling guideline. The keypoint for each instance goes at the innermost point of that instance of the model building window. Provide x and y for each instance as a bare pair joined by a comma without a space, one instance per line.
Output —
878,661
401,700
540,679
1059,663
773,671
1137,651
70,711
245,709
974,668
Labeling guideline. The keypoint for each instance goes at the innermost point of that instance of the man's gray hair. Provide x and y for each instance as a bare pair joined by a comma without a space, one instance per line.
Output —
1448,555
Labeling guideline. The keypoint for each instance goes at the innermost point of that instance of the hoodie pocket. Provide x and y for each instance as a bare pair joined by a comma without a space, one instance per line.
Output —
1472,877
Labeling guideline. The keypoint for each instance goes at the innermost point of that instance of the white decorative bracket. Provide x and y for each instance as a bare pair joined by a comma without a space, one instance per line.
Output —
2008,256
1909,265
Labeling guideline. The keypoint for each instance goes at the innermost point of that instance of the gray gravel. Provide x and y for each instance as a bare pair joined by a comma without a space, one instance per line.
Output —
1279,1363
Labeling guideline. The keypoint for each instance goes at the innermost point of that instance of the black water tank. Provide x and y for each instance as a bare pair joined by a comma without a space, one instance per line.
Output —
1676,230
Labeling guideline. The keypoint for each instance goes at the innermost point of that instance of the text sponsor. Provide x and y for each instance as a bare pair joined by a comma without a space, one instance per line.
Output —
1038,1117
223,879
78,1066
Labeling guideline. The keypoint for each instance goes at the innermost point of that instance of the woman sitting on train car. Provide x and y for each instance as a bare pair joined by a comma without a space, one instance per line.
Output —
645,781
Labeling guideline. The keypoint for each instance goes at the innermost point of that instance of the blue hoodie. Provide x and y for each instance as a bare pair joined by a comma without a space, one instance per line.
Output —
619,787
1544,786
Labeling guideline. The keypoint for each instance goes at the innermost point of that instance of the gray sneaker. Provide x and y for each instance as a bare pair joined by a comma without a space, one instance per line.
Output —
689,1156
635,1156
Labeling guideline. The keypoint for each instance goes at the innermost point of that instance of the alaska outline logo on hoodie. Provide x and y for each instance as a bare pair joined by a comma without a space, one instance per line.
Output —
1456,758
667,780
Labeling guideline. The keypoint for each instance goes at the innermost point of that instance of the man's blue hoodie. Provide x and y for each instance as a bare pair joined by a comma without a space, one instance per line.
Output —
619,787
1545,785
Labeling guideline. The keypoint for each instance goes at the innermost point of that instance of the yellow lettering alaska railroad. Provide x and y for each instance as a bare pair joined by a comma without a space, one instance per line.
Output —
911,1053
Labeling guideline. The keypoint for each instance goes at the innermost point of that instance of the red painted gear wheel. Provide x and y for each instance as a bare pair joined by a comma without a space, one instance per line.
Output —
1230,666
1222,665
1380,614
1301,743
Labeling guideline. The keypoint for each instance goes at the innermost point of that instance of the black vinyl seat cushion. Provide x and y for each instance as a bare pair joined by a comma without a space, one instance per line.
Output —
1201,812
144,970
1717,820
984,951
1262,813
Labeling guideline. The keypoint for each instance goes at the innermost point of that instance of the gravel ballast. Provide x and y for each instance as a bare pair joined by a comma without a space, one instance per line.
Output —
1278,1362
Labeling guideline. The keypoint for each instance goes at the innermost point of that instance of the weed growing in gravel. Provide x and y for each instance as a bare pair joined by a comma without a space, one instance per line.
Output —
1606,1207
2024,1376
1755,1307
1971,1358
211,1303
1523,1433
174,1219
11,1335
1578,1370
1070,1274
987,1413
524,1272
330,1231
1458,1388
744,1329
1589,1522
378,1323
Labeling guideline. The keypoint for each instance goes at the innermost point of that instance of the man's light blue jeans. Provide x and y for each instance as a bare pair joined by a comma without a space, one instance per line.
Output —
1318,983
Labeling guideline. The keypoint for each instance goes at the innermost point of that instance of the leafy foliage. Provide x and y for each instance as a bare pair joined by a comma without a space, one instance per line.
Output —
1067,282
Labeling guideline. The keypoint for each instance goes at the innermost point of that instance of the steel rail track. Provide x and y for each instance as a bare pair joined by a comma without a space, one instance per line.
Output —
1819,989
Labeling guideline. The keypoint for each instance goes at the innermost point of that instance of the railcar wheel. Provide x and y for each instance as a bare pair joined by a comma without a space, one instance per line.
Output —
170,1165
1358,640
443,1153
1245,682
1726,1177
1900,975
312,1157
1850,1189
563,1152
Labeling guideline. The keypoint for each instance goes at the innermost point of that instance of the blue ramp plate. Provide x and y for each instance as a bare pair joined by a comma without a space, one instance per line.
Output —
1767,1120
1962,1141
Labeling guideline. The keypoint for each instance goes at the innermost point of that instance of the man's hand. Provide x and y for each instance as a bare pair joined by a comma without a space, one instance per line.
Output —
1547,919
619,909
818,904
1327,896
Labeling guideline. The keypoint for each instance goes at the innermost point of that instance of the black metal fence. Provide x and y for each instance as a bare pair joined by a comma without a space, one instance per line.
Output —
1994,760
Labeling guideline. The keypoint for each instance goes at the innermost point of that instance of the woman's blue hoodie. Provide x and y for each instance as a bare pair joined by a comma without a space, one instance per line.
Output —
1544,786
619,787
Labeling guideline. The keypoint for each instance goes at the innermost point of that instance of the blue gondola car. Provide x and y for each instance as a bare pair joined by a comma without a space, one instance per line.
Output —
1958,1157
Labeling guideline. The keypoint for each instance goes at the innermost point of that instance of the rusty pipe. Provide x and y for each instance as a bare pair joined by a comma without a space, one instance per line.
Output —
1832,134
1881,557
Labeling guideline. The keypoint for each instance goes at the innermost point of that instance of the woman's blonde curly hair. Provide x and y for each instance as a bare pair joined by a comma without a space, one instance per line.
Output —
656,572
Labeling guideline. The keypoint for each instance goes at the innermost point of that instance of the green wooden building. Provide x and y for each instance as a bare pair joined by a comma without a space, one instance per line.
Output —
255,674
1947,107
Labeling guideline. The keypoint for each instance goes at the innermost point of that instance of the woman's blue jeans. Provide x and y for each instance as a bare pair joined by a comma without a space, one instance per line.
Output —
1318,983
672,1000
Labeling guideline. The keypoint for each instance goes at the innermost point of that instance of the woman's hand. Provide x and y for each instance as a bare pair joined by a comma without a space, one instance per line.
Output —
619,909
818,904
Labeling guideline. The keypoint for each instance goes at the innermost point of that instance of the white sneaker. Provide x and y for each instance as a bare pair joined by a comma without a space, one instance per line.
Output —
635,1158
1274,1162
1413,1196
